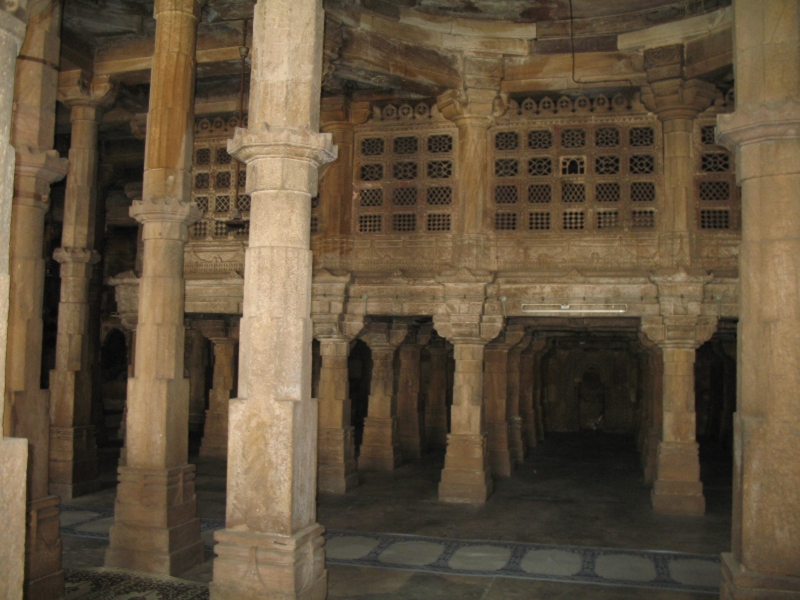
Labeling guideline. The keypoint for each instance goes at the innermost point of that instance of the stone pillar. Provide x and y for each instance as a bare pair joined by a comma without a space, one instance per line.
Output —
498,402
27,405
676,101
380,447
195,363
530,380
410,409
652,408
473,109
436,406
272,545
516,444
13,452
339,116
156,527
765,133
679,332
215,431
335,330
466,477
73,447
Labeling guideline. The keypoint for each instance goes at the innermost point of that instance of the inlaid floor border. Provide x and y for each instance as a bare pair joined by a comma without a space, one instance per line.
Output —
343,549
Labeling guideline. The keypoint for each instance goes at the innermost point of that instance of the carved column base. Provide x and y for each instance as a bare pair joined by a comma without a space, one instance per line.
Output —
518,447
337,471
215,435
501,457
156,528
740,584
380,450
465,477
44,578
260,566
73,461
678,489
13,471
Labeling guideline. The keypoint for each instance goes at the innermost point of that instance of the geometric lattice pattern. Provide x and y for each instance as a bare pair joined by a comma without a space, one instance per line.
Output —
715,219
715,190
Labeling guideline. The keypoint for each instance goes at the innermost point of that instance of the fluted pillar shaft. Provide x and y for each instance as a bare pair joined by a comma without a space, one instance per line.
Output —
13,452
73,447
272,545
215,430
764,131
156,527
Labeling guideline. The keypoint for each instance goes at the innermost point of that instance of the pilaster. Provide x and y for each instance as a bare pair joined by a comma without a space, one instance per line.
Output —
272,546
73,447
380,448
155,522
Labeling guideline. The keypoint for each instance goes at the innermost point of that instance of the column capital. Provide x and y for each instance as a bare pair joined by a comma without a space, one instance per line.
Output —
337,112
165,210
10,23
47,166
385,335
684,331
755,123
477,106
259,142
511,337
65,255
79,89
670,95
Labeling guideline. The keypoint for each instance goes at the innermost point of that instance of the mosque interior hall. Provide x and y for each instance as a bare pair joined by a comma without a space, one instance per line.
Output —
399,299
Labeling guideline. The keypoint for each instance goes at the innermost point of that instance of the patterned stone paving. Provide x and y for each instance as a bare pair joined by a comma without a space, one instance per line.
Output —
569,564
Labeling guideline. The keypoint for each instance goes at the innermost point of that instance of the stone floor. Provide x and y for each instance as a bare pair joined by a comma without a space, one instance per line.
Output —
574,490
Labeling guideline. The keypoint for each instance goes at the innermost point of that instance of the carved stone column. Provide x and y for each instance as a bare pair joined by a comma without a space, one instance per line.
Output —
73,448
765,133
530,381
338,117
473,109
436,407
518,447
680,330
410,409
27,405
272,545
155,524
13,452
466,477
335,330
676,101
194,366
652,408
215,430
498,402
380,447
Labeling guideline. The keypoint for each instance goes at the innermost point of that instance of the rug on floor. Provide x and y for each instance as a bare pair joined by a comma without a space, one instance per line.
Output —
107,583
